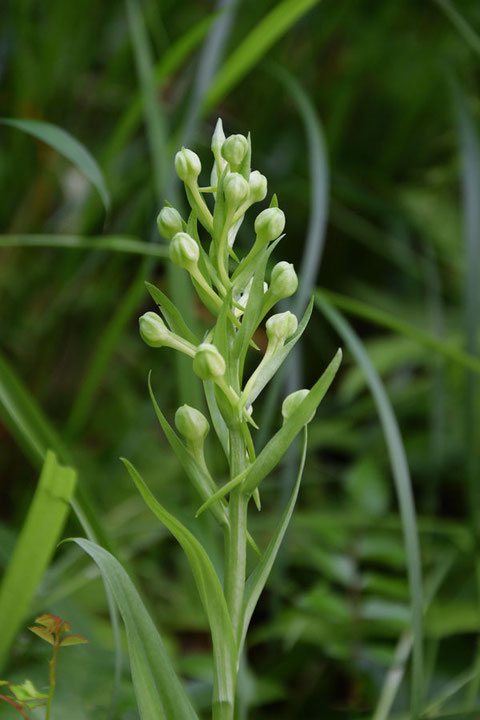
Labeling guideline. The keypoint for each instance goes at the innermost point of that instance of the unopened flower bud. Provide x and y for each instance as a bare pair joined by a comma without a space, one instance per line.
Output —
283,280
187,165
184,251
291,403
234,150
235,188
191,423
153,330
169,222
281,326
208,363
257,184
269,224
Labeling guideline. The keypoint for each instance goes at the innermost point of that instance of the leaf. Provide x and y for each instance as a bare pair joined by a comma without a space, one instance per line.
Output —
281,441
73,640
258,578
38,538
159,693
268,370
43,633
68,146
202,481
210,591
272,26
109,243
172,315
386,320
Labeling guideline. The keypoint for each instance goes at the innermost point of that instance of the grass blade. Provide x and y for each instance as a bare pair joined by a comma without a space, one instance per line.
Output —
39,535
210,591
254,47
257,580
160,695
113,243
462,26
403,489
66,145
386,320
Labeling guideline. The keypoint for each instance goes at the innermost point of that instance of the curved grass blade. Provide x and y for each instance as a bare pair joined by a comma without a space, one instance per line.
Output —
254,47
113,243
461,25
257,580
401,476
281,441
210,591
160,695
386,320
66,145
36,544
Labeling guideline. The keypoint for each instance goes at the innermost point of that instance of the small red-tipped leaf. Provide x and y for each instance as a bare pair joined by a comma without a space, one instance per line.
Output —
73,640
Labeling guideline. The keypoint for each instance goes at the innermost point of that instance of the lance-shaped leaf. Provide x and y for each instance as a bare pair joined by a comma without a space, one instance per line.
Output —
201,480
281,441
211,595
268,370
217,418
257,580
160,694
172,314
251,316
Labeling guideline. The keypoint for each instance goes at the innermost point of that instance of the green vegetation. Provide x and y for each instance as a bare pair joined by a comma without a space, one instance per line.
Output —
364,118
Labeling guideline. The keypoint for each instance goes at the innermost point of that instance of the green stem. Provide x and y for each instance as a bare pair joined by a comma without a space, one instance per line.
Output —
53,681
237,536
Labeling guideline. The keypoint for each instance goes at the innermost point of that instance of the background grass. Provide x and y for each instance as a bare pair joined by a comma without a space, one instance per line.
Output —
376,102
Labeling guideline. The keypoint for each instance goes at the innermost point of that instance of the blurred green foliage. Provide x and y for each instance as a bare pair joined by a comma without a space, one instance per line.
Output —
402,162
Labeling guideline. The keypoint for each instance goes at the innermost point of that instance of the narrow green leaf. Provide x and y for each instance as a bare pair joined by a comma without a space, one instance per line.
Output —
73,640
172,315
112,243
401,475
35,546
160,695
254,47
257,580
210,591
202,481
386,320
270,368
66,145
463,27
281,441
217,418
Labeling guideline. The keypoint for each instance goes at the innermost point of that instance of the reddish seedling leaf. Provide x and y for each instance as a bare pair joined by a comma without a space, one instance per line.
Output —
73,640
53,623
65,627
43,633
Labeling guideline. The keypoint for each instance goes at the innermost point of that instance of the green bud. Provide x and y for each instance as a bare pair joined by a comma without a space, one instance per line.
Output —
191,423
291,403
235,188
153,330
257,184
169,222
208,363
283,280
184,251
234,149
269,224
281,326
187,165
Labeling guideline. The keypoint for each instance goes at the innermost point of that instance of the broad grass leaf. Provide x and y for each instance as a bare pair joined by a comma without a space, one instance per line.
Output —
281,441
66,145
36,544
160,695
209,589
